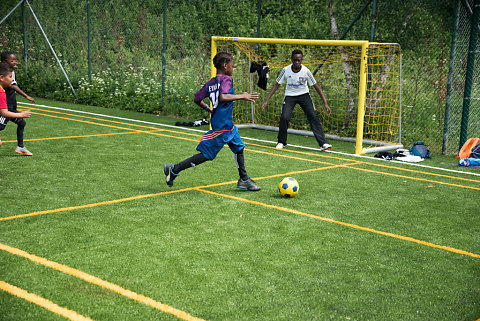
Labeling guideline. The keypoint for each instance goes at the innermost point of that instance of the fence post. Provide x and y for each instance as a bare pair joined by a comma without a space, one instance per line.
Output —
373,21
259,17
469,74
50,46
25,51
164,50
450,76
89,58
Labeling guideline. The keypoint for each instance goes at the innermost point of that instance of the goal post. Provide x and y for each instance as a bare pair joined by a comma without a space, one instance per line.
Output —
360,80
361,98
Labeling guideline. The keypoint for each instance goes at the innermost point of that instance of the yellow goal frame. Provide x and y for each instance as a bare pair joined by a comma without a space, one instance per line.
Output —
352,43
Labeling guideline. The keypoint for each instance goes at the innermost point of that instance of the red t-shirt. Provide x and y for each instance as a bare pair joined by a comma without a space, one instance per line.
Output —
3,98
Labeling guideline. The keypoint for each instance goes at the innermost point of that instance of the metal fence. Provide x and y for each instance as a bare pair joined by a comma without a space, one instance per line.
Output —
434,88
462,109
433,108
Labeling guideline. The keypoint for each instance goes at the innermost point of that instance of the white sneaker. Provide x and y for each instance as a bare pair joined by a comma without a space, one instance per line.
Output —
279,146
326,147
23,151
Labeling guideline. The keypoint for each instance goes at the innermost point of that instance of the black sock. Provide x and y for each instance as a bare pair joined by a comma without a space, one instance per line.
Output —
240,161
189,162
20,127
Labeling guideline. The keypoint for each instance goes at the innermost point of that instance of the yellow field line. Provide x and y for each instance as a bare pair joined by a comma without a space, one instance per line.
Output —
173,131
303,159
117,127
414,178
324,155
68,137
132,198
42,302
90,122
182,138
152,132
286,209
71,208
159,134
285,174
358,227
177,132
122,128
426,173
99,282
112,121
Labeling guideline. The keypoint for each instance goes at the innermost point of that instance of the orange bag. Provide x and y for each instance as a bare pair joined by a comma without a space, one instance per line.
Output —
466,149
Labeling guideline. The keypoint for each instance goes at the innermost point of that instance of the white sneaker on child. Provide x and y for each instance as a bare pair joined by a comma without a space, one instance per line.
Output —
325,147
279,146
23,151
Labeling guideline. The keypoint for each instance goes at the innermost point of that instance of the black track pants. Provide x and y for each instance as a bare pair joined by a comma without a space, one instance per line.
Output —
306,103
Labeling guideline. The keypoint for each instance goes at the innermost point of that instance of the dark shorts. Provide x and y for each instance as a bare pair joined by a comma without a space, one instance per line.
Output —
4,121
213,141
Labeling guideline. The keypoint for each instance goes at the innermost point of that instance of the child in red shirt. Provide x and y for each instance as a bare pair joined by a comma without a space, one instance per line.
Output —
11,92
6,78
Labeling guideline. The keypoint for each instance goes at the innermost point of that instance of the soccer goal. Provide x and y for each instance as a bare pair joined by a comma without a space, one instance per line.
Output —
361,81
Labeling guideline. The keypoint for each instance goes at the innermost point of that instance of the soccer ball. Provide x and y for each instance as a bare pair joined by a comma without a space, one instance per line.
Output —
288,187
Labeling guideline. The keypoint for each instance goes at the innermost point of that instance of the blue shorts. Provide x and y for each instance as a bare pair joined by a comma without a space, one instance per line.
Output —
214,140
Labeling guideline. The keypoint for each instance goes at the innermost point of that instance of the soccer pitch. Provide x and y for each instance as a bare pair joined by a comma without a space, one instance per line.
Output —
90,231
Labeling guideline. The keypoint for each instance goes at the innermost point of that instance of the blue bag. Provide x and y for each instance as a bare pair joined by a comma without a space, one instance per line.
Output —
469,162
419,149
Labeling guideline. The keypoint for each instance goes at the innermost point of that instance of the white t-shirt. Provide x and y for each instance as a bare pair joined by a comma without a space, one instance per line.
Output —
296,81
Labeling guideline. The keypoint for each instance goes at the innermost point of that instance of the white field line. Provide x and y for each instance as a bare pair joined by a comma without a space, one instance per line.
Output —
255,139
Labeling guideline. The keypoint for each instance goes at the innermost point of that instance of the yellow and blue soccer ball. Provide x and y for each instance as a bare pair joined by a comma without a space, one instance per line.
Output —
288,187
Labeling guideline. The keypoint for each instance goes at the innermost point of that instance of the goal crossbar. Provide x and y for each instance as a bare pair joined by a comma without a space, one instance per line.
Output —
362,79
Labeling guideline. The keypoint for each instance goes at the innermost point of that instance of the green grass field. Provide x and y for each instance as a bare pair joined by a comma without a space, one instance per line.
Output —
89,229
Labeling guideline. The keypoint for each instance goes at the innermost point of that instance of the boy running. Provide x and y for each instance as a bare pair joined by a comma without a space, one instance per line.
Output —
220,91
6,79
11,92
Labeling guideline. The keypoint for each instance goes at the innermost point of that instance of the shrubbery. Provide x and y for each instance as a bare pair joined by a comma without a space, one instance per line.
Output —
126,48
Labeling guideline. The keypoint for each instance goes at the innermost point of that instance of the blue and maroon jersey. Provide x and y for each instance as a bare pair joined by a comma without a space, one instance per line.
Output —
221,118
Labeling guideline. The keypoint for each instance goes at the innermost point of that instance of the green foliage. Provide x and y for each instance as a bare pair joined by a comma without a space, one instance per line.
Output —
127,43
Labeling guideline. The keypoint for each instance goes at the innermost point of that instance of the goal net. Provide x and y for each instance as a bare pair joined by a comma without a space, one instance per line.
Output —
361,82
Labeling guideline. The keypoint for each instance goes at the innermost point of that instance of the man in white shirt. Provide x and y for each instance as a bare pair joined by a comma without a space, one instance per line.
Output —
298,78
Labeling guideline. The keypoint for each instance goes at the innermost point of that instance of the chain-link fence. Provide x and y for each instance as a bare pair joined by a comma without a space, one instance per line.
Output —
126,52
433,108
463,108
